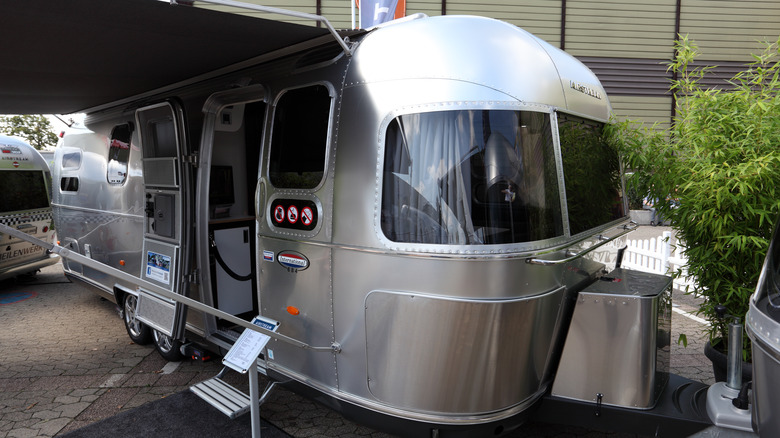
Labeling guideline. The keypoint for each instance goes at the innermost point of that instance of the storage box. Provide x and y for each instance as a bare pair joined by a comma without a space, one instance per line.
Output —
617,347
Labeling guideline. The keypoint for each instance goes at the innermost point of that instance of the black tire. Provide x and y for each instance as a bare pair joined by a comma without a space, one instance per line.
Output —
169,348
139,333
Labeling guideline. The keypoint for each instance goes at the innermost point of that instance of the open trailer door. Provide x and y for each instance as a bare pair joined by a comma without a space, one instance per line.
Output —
165,258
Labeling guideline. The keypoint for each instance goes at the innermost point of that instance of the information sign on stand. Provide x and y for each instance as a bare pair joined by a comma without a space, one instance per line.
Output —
243,355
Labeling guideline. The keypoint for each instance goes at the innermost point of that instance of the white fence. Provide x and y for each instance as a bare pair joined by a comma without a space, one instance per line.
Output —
659,256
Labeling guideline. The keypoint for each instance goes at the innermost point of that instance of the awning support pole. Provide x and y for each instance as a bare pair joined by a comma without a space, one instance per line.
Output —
286,12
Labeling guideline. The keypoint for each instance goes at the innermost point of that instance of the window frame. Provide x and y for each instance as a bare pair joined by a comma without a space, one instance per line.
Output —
467,249
328,136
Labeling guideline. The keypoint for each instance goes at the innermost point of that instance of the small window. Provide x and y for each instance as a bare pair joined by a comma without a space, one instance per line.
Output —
119,153
591,171
69,184
300,138
71,160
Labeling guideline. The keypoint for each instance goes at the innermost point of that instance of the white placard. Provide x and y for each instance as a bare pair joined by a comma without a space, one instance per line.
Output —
244,352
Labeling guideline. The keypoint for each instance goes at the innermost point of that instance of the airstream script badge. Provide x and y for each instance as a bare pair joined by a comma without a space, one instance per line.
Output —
585,89
292,260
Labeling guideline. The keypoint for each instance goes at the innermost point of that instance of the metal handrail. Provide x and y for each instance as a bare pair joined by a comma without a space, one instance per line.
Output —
602,241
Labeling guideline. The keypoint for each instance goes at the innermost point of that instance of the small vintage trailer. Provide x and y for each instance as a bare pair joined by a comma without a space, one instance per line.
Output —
427,208
24,206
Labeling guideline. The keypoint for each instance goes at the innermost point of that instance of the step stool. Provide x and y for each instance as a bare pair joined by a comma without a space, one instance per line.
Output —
227,399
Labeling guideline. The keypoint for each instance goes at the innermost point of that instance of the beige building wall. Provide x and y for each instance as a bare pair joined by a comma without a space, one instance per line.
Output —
620,28
730,30
540,17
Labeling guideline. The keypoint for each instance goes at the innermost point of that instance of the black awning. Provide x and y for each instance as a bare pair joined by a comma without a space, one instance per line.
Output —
62,57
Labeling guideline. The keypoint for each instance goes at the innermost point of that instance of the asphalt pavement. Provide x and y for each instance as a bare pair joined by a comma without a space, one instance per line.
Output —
66,363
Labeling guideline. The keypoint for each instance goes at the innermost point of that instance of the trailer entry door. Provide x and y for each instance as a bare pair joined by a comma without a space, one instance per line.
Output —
164,258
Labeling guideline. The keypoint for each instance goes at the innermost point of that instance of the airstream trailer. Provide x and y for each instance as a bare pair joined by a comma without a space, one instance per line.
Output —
428,220
24,205
426,209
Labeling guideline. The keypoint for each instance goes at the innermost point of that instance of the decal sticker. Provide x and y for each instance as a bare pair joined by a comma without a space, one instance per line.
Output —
158,267
295,214
279,214
307,216
268,256
292,214
292,260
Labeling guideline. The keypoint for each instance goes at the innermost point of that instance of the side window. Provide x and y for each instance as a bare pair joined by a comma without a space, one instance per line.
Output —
71,160
591,171
69,184
119,153
299,141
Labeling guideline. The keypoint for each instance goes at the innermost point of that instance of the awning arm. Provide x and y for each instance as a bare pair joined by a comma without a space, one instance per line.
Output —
280,11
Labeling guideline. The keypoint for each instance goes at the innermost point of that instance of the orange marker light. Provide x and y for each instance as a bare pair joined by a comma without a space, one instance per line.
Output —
121,263
293,310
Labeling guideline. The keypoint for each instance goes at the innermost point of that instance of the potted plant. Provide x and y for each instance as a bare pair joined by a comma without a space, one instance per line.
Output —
715,175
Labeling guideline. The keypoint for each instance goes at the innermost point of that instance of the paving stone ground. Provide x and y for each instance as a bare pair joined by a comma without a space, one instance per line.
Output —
66,362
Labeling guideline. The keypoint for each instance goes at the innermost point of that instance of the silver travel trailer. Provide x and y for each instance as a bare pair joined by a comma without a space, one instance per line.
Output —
426,208
763,328
24,206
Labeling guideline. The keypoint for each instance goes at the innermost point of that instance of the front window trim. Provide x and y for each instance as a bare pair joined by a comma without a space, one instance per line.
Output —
505,249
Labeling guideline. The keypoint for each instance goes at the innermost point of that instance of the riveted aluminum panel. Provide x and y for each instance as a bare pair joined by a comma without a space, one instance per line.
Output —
437,354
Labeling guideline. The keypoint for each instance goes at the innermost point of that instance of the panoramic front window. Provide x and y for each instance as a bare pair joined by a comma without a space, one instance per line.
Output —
591,169
470,177
29,190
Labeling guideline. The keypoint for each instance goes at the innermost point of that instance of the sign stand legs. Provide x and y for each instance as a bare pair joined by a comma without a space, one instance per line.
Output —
254,401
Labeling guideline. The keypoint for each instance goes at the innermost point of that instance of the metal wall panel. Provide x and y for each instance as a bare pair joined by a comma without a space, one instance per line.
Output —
648,109
620,28
427,7
730,31
540,17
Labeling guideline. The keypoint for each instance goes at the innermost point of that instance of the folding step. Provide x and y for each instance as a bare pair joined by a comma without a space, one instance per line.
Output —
229,400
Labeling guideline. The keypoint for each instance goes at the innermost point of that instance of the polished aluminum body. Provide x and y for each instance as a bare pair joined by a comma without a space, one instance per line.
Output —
618,345
441,333
24,205
763,328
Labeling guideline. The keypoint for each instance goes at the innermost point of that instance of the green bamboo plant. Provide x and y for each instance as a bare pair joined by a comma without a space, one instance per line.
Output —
716,176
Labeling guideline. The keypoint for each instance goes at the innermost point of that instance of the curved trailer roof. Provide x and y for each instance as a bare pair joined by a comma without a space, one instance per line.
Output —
64,57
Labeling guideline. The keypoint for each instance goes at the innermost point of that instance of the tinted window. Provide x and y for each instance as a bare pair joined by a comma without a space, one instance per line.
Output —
119,153
23,190
470,177
591,170
300,138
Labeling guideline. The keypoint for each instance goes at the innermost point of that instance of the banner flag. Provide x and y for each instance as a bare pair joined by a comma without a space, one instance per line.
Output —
373,12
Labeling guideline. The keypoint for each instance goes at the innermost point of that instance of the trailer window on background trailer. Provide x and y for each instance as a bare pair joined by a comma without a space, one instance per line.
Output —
24,190
470,177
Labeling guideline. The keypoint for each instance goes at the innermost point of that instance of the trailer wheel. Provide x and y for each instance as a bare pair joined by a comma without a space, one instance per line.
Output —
139,333
169,348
